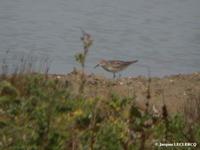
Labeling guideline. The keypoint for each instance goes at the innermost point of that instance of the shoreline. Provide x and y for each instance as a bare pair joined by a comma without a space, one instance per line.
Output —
75,70
176,90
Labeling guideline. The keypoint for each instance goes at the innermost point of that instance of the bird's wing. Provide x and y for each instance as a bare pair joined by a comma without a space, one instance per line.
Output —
116,62
119,62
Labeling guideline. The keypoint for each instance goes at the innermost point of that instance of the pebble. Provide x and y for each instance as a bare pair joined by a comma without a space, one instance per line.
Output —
121,83
58,77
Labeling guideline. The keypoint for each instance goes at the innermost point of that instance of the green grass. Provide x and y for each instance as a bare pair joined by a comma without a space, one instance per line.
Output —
37,113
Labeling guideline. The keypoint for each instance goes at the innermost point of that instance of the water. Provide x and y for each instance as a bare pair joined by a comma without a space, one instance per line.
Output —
161,34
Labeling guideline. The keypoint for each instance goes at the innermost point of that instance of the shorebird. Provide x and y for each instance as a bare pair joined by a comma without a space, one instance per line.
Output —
114,66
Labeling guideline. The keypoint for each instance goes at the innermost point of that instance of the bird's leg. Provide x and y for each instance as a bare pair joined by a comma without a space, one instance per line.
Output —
113,75
120,75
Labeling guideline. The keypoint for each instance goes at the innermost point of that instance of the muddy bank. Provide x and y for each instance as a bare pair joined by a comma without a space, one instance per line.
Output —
175,90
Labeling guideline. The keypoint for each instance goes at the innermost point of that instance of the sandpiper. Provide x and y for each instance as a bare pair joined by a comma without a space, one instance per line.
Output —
114,66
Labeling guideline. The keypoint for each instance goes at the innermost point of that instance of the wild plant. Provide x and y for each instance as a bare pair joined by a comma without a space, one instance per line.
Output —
87,42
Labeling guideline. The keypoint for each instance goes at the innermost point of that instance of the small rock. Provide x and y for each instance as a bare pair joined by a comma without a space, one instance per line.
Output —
58,77
121,83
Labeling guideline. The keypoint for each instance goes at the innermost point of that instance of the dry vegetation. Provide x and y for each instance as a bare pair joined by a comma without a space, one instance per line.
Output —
48,112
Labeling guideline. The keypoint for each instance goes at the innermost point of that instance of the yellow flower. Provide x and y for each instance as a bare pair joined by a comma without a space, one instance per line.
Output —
78,112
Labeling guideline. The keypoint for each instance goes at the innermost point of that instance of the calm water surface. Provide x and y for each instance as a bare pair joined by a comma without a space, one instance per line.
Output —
161,34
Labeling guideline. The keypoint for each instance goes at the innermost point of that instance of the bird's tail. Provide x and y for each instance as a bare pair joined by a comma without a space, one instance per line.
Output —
133,61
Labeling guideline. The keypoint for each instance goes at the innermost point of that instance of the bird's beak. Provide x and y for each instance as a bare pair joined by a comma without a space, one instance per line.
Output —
96,66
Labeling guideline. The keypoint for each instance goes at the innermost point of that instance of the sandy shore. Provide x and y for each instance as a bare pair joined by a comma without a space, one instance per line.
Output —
175,90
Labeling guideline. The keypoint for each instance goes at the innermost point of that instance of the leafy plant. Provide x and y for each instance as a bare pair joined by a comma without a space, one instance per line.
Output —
87,43
81,57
